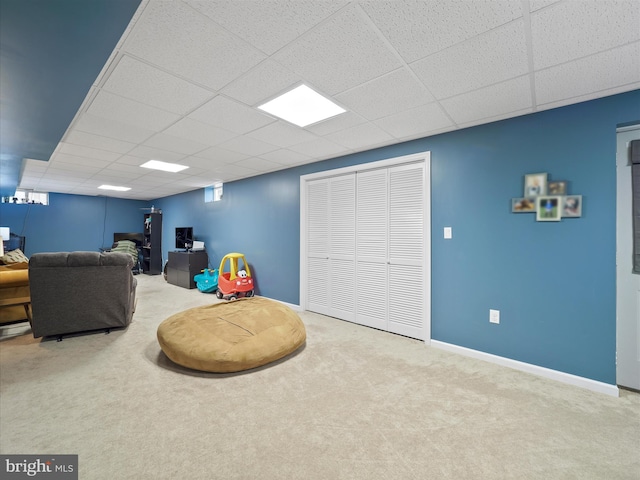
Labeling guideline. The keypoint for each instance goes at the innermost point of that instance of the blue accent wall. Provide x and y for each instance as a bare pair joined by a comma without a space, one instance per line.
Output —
72,222
553,282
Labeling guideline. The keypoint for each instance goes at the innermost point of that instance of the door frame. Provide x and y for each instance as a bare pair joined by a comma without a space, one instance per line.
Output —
420,157
623,229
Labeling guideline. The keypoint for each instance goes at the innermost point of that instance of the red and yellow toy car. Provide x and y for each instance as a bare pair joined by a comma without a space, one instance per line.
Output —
236,281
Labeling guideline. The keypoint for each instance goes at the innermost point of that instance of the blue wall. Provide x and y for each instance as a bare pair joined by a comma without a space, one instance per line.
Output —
72,222
554,282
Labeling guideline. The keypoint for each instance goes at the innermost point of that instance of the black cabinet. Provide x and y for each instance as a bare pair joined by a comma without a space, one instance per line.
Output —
152,244
183,266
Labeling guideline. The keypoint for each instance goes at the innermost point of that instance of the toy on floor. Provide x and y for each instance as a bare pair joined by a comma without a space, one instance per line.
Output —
207,281
237,281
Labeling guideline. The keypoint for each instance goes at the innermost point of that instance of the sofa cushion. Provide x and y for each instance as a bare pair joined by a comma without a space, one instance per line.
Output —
233,336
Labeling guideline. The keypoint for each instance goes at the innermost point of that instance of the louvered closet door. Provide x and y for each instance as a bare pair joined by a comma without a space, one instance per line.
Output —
342,230
407,268
317,199
371,248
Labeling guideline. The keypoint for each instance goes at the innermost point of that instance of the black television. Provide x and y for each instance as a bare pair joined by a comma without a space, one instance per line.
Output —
184,238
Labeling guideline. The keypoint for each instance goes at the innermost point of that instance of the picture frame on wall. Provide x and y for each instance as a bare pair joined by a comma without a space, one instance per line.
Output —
572,206
548,208
535,184
523,205
557,188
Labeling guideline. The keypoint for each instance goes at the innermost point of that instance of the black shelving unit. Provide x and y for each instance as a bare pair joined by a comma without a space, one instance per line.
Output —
152,244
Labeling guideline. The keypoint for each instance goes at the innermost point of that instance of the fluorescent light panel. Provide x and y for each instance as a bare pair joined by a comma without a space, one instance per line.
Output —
164,166
302,106
114,187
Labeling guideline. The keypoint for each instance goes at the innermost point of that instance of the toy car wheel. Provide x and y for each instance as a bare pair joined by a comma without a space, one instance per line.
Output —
249,293
232,298
219,294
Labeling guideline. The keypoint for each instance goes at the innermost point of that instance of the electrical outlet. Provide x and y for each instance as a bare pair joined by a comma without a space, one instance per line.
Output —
494,316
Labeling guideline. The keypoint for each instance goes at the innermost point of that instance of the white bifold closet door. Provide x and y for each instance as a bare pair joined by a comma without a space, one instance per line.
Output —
366,248
331,246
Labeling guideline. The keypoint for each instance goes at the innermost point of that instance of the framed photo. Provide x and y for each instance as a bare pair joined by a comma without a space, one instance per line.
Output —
523,205
572,206
535,184
557,188
548,208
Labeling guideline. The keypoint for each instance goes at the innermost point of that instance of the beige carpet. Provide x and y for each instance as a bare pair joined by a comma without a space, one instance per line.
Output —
353,403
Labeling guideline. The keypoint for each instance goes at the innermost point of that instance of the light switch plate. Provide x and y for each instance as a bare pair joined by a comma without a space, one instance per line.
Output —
448,233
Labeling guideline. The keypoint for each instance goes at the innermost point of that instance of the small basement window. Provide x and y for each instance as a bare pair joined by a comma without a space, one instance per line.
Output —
25,197
213,193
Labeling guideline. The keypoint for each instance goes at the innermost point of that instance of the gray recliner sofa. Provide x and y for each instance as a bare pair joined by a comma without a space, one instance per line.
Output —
73,292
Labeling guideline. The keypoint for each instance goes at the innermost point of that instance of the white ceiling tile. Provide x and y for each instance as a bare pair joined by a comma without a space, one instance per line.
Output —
386,95
112,128
199,132
132,160
150,153
78,137
261,83
204,163
230,115
220,154
270,25
538,4
360,136
285,157
259,164
490,58
86,152
339,54
177,38
248,146
320,148
77,168
512,95
146,84
420,120
282,134
234,170
570,30
79,160
113,107
175,144
420,28
345,120
614,68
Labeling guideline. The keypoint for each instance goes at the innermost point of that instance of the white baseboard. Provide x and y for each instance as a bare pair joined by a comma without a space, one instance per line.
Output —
568,378
292,306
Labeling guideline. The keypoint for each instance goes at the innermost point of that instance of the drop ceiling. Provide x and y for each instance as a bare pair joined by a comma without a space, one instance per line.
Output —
185,79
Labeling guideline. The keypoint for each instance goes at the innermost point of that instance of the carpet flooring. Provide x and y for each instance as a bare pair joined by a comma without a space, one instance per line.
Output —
352,403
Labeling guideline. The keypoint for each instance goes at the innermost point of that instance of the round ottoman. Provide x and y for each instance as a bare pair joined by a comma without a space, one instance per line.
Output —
232,336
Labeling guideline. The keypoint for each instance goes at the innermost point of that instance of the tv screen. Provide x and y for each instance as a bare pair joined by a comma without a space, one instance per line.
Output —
184,238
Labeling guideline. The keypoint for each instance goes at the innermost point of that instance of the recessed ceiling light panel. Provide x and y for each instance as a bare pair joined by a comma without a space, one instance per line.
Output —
114,187
302,106
164,166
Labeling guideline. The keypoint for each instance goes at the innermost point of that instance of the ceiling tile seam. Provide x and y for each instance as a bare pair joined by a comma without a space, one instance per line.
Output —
627,87
593,54
404,64
526,17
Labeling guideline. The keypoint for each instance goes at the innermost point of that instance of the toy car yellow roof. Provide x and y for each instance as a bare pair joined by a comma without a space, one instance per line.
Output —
233,264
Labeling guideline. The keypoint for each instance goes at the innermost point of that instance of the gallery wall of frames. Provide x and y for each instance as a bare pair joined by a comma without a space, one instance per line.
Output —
549,199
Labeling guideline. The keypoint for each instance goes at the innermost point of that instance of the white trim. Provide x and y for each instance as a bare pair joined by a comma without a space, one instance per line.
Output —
424,157
567,378
292,306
